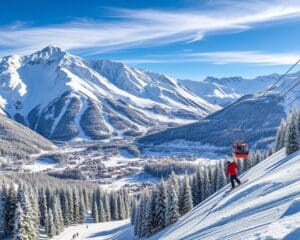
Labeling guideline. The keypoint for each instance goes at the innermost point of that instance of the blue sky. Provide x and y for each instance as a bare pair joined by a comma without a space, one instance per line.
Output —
186,39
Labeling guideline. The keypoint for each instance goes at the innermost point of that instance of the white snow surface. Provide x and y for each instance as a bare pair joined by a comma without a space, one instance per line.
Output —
115,230
265,207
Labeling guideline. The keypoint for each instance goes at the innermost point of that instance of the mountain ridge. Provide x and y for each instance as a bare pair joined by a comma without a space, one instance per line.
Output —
55,93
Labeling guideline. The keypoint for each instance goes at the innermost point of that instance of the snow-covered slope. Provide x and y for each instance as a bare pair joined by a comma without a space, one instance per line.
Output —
267,206
20,142
259,116
224,91
63,96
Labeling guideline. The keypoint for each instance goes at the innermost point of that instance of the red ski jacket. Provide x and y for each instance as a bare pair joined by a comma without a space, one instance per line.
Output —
232,169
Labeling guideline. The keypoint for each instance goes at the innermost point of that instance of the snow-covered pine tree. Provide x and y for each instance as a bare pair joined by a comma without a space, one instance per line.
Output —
50,224
95,213
172,211
60,215
70,205
101,211
20,225
42,206
114,206
76,216
220,176
121,207
280,136
187,201
292,137
65,207
107,207
3,197
161,208
211,176
206,186
137,218
82,210
132,213
198,186
34,212
10,208
147,218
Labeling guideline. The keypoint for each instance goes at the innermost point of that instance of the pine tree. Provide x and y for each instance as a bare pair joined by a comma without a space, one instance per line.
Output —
21,226
114,207
70,205
147,220
132,213
95,213
101,211
187,201
220,176
50,225
82,210
34,213
280,136
206,186
75,206
42,207
292,141
172,211
3,199
121,207
10,208
161,205
65,207
107,207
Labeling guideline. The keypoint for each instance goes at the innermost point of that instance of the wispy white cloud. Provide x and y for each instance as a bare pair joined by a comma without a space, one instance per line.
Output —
252,57
223,57
133,28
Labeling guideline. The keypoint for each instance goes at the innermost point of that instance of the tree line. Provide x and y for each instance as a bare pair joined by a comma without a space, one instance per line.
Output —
163,169
30,202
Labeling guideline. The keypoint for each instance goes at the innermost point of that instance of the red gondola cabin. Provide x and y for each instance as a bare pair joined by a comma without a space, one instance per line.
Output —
240,150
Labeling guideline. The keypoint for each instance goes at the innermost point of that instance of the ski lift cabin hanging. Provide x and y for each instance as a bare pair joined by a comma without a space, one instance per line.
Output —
240,148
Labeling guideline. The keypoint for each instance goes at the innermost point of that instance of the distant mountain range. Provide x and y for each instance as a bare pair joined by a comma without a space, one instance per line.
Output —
223,91
258,116
63,97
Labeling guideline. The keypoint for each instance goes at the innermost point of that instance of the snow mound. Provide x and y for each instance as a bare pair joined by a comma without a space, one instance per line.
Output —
264,207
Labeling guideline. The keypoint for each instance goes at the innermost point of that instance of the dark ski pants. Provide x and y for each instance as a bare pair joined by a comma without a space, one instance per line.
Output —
234,178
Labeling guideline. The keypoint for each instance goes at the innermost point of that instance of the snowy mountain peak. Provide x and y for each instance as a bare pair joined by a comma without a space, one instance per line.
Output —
48,53
63,96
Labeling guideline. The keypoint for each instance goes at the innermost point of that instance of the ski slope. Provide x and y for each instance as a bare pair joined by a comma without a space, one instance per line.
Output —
267,206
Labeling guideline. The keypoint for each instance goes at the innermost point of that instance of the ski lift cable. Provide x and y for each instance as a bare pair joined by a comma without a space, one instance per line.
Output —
291,102
280,78
292,87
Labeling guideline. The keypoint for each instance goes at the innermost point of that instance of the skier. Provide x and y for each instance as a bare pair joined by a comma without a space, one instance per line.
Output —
232,171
